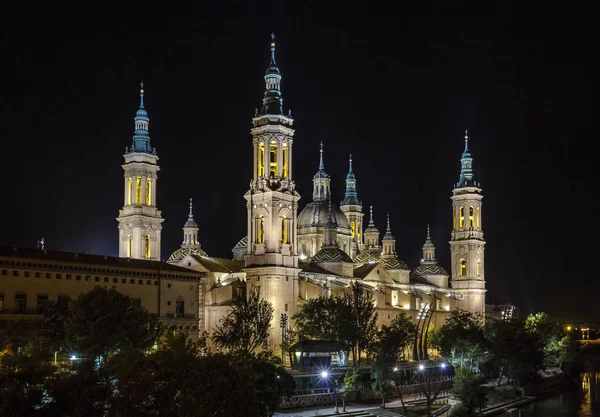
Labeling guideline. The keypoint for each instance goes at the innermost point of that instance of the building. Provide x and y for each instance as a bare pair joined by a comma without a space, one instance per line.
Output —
290,255
501,312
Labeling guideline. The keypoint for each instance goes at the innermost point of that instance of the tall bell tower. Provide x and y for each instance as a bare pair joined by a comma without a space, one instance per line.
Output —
466,243
272,205
352,208
140,222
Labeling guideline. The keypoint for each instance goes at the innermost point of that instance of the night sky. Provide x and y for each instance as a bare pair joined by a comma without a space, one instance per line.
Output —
394,85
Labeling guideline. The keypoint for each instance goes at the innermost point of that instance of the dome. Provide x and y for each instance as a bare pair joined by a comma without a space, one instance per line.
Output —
180,254
141,114
315,214
367,257
433,269
393,263
330,254
242,243
190,223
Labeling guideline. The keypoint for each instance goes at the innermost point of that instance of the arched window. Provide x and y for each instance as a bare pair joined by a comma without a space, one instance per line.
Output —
129,190
261,159
478,268
148,192
358,229
138,190
147,247
463,268
471,217
462,217
260,229
273,159
285,160
179,307
478,218
284,230
454,219
352,228
128,247
322,190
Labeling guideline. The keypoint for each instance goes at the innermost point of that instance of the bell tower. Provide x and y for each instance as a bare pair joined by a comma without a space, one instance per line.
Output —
140,222
467,243
272,205
352,208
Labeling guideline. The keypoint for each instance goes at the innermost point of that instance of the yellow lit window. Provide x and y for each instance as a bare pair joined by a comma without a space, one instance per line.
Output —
352,228
284,230
260,230
471,217
138,190
478,219
454,219
129,190
148,192
147,247
128,247
463,268
462,217
478,269
261,159
358,229
285,160
273,159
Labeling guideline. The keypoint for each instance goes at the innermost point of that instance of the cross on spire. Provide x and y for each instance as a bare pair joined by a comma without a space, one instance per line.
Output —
272,36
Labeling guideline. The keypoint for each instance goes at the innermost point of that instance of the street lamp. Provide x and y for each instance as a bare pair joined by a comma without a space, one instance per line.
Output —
283,324
421,367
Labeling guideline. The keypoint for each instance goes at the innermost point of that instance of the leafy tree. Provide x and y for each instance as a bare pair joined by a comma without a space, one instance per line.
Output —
364,318
101,322
246,327
551,336
325,318
467,388
432,381
461,340
22,379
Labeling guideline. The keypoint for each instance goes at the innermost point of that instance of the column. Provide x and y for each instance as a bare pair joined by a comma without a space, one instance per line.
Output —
267,157
279,158
290,159
126,193
254,160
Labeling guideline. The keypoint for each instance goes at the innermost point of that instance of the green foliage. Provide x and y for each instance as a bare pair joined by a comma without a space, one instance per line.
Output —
551,336
461,340
247,327
101,322
467,388
363,318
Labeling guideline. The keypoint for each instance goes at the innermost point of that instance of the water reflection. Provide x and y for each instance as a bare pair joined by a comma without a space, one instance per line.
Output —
581,402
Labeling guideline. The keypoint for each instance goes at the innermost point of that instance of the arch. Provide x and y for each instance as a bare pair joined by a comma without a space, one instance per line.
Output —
147,247
462,267
322,190
273,159
471,217
261,159
148,191
138,190
260,228
129,190
462,217
128,247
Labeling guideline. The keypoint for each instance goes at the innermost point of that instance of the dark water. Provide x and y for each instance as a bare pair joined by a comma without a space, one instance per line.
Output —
581,401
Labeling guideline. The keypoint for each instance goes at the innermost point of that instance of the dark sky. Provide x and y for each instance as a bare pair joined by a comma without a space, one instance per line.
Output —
394,85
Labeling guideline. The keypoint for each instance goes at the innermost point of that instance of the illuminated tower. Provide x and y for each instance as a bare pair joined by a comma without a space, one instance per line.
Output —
372,235
272,204
139,220
466,243
352,208
190,232
389,242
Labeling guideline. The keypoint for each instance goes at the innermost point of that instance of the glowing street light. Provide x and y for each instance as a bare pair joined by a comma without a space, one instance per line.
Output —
443,365
421,367
324,374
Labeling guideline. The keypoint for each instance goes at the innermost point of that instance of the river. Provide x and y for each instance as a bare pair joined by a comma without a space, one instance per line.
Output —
581,401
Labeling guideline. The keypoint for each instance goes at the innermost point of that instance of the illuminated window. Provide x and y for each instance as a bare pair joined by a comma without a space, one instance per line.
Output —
148,192
454,219
129,190
260,229
273,159
284,230
478,218
261,159
462,217
478,269
471,217
138,190
147,247
128,247
463,268
358,229
352,228
285,160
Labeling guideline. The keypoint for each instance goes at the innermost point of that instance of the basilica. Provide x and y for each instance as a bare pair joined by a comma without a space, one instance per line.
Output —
293,255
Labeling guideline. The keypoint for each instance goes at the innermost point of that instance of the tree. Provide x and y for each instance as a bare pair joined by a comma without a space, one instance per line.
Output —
246,327
364,318
467,388
324,318
461,340
101,322
551,336
432,380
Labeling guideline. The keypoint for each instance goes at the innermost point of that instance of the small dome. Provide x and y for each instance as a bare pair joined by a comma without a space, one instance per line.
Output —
190,223
393,263
316,214
331,254
432,269
321,174
180,254
242,243
141,114
367,257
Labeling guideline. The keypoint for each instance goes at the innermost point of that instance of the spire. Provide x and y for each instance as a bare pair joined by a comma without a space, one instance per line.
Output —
351,196
388,232
272,101
466,166
428,249
330,227
321,164
141,136
371,223
190,221
321,180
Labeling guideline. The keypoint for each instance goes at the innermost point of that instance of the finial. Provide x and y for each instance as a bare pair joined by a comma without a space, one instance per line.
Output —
428,236
321,164
388,223
371,219
466,140
191,215
272,36
142,95
273,47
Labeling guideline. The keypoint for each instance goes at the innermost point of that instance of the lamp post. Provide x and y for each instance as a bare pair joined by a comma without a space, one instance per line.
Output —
283,324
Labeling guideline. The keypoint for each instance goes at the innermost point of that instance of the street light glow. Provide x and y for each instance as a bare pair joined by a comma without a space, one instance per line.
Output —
395,369
324,374
443,365
421,367
73,357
